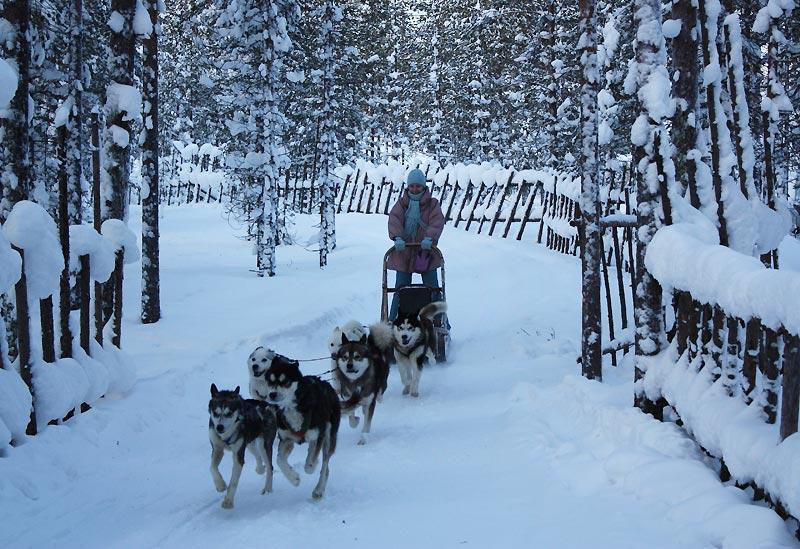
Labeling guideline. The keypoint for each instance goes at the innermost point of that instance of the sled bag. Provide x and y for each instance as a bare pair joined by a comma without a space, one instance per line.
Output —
422,261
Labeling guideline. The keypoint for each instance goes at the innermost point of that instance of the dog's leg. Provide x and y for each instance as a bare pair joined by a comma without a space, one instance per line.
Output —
313,455
319,489
404,374
267,449
236,472
369,410
352,418
284,449
217,451
416,373
256,451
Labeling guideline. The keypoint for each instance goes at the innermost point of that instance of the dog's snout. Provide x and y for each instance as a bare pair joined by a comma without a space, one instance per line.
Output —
220,428
273,395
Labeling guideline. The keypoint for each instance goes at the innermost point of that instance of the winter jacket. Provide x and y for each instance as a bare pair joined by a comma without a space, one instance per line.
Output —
431,224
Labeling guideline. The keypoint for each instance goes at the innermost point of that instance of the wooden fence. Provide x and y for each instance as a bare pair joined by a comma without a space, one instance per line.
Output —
736,341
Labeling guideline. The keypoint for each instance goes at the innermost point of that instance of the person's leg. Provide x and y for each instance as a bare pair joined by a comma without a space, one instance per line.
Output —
431,280
401,279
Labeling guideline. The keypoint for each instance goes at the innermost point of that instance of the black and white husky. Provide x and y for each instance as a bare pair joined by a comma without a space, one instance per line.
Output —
307,411
360,369
235,424
415,343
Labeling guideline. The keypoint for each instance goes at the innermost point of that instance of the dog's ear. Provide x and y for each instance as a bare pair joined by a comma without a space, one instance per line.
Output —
363,339
236,390
214,390
345,341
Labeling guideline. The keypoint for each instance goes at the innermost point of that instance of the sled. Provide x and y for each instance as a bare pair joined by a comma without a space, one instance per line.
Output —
415,296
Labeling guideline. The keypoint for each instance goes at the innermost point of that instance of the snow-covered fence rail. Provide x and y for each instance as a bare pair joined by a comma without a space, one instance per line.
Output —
732,370
36,387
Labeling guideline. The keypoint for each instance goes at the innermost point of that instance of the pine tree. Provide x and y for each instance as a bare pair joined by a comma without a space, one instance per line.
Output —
329,17
151,300
591,255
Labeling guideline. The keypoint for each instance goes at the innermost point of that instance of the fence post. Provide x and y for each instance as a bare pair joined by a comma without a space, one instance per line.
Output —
475,205
24,337
343,191
790,394
116,338
769,367
528,212
83,291
464,202
500,206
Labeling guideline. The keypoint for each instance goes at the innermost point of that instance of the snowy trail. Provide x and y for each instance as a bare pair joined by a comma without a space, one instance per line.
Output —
506,446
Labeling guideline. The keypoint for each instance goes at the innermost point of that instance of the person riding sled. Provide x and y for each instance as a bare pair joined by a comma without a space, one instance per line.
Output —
416,217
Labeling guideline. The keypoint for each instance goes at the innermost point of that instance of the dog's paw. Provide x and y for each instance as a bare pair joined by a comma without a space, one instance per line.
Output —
414,393
220,485
260,469
317,493
227,503
309,468
406,390
354,421
362,441
266,490
293,478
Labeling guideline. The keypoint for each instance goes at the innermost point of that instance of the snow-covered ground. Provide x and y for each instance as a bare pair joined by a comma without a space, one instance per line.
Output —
507,446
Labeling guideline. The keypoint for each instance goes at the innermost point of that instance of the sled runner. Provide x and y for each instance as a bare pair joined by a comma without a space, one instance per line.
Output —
413,297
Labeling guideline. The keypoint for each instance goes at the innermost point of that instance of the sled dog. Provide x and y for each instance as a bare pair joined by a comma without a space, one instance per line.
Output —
415,343
257,364
235,424
307,411
360,369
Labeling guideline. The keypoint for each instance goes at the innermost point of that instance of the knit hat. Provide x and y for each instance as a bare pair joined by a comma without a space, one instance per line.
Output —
416,177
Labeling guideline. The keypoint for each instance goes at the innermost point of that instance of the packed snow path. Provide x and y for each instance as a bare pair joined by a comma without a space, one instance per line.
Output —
505,447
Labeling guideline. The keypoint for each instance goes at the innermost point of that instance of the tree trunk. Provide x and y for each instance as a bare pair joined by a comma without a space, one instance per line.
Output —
686,89
151,300
591,254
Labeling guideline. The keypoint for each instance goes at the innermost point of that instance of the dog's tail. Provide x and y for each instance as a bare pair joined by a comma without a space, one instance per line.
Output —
382,336
430,310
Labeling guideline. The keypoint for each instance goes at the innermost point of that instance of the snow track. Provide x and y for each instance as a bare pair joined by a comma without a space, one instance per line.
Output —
505,447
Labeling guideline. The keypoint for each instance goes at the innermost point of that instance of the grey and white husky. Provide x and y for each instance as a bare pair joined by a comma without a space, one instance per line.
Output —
415,343
360,369
234,424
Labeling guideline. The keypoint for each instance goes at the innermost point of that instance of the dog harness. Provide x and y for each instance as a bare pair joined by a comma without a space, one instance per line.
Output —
301,434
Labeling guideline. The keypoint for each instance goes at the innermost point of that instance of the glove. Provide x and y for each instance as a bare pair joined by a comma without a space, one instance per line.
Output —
426,243
399,244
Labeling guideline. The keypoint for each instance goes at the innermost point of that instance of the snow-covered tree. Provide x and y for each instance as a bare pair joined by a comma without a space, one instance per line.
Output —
591,255
328,17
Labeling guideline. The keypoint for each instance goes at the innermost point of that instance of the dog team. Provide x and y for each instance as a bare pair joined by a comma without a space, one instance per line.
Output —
302,409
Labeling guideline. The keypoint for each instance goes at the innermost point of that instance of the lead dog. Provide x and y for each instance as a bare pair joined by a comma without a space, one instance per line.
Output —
360,369
307,411
235,424
414,343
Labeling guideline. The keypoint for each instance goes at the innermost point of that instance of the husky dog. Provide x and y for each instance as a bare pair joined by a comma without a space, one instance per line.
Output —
308,411
414,343
257,364
361,369
235,424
